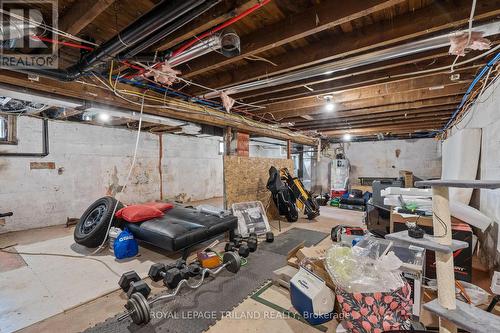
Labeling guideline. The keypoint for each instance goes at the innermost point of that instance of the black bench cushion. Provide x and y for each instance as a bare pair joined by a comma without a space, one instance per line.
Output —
181,227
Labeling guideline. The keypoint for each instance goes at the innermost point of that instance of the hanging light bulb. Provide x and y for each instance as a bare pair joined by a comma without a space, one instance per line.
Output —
104,117
347,137
329,106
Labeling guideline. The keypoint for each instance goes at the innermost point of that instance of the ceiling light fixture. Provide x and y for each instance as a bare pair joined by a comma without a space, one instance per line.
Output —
347,137
104,117
329,106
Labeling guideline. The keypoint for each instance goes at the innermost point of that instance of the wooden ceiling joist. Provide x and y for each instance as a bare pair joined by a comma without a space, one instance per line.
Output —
81,14
431,19
397,129
385,116
288,110
415,106
92,93
432,82
311,21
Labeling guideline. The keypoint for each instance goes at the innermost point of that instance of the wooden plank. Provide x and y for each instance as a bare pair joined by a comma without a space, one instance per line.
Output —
431,19
355,115
402,97
435,82
311,21
432,121
384,129
81,13
189,112
348,110
362,78
245,178
445,114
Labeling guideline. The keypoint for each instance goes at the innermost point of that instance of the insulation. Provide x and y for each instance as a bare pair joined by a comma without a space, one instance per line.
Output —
459,43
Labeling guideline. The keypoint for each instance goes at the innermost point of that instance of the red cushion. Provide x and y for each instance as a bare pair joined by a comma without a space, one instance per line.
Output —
163,206
138,213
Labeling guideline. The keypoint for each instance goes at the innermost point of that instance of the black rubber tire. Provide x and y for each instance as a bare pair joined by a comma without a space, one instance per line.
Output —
94,237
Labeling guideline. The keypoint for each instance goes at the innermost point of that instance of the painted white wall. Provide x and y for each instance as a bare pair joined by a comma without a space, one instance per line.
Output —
94,161
192,167
379,158
486,116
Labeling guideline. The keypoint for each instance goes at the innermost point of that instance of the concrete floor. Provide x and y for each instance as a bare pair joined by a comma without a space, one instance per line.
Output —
77,319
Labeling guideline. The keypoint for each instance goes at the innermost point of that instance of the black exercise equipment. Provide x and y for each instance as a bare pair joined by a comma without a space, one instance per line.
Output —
269,237
6,214
131,283
180,229
139,308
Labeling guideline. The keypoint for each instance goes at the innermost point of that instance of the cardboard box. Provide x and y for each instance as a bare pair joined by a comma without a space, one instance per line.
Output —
460,231
299,253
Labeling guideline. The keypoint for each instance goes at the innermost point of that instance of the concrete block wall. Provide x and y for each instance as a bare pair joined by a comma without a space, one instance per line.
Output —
93,161
192,167
385,159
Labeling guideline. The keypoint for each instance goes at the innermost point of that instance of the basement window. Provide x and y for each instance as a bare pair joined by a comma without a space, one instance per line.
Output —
8,129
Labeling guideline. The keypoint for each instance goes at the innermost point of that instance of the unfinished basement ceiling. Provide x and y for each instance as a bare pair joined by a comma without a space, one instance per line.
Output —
373,69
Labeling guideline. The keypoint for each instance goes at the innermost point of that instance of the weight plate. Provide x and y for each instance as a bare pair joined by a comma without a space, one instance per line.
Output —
232,259
143,307
135,310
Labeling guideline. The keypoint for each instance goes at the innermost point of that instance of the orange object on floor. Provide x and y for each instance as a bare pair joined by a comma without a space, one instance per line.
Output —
209,259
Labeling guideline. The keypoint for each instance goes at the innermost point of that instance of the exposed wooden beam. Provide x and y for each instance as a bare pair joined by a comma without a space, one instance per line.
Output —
406,114
81,14
311,21
430,82
189,112
427,126
219,14
295,109
362,77
392,120
320,115
437,17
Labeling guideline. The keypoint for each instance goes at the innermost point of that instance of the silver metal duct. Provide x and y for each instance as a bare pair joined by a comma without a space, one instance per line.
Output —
15,27
432,43
228,42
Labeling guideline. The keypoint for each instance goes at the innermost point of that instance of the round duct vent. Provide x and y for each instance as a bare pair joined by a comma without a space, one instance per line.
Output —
230,43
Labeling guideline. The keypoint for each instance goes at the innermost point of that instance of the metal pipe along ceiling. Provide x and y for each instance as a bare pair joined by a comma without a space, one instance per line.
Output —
159,17
432,43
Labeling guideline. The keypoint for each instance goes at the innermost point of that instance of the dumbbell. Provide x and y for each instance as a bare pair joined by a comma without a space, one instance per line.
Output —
242,249
269,237
131,283
139,308
171,275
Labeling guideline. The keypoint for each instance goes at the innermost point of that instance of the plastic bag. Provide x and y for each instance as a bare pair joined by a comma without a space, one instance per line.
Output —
359,269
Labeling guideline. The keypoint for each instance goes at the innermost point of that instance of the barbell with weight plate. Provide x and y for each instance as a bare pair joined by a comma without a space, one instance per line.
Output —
139,308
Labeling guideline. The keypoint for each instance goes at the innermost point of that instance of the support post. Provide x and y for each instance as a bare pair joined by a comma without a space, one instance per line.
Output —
288,149
445,273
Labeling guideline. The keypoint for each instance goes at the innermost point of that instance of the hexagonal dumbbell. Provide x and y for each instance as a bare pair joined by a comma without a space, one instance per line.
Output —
171,275
269,237
130,282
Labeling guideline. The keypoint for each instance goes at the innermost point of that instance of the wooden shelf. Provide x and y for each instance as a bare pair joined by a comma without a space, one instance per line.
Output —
428,242
467,317
486,184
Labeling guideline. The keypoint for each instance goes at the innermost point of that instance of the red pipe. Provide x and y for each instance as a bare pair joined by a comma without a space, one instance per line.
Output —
219,27
193,41
53,41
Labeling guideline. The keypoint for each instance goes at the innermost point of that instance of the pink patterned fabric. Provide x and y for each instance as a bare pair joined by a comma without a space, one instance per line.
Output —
376,312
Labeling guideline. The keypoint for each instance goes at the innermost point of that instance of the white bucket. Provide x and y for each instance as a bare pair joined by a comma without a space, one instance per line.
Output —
113,233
